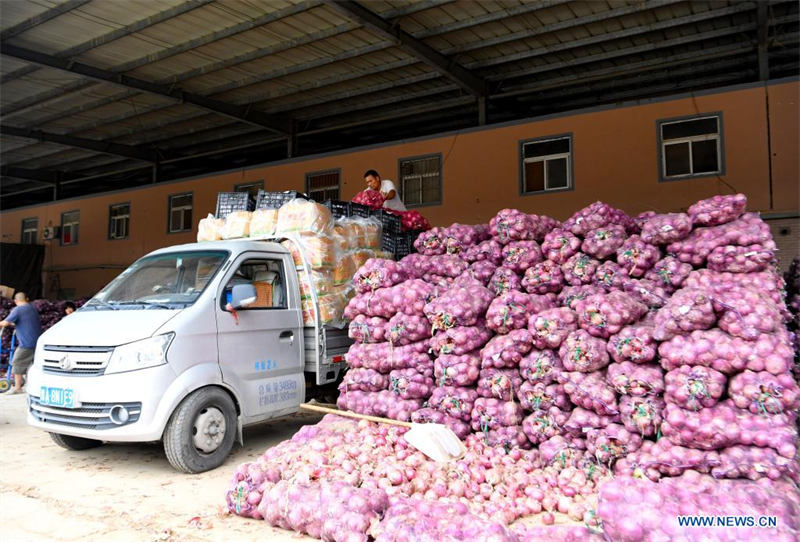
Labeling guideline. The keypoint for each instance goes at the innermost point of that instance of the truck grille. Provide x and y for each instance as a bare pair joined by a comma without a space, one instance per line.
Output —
88,416
76,360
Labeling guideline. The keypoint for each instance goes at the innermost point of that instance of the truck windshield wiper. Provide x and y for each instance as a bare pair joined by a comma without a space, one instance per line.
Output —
99,302
159,304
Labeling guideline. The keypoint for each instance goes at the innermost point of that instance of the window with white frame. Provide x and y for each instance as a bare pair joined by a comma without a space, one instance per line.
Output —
119,217
250,188
323,185
30,229
690,147
420,180
70,222
546,164
180,212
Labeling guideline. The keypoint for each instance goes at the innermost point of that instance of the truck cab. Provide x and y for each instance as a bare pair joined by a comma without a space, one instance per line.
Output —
187,346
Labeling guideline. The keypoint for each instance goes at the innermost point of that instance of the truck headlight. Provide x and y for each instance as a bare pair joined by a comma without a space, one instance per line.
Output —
140,354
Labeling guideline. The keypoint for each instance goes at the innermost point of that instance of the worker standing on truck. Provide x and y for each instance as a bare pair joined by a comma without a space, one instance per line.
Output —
386,188
26,319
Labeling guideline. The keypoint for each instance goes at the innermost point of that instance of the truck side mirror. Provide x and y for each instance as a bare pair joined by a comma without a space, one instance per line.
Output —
243,295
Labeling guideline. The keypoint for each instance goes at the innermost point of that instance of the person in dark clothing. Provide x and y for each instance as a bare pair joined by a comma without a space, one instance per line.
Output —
69,308
25,318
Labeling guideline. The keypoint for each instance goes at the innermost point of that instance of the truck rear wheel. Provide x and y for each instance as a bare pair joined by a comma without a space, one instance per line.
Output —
74,443
200,433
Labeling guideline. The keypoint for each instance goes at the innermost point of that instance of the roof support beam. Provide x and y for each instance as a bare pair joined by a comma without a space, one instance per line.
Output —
763,28
466,79
276,123
43,17
38,175
126,151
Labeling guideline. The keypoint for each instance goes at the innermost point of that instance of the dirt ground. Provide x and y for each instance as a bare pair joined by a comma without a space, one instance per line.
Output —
120,492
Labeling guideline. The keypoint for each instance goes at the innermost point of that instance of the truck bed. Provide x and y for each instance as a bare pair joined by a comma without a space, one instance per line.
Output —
325,348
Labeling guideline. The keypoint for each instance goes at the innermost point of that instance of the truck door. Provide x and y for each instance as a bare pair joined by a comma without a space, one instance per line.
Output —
260,347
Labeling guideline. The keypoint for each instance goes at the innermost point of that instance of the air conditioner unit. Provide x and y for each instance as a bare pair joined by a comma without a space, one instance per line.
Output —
50,232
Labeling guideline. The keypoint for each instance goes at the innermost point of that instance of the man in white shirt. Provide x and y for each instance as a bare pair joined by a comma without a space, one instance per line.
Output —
386,188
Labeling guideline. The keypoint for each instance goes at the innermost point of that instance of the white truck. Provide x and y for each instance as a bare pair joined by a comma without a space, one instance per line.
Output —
158,354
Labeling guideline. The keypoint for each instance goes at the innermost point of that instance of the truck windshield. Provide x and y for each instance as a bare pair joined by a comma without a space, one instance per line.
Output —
163,281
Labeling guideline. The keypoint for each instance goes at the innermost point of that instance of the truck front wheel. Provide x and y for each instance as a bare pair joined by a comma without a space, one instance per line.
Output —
200,433
74,443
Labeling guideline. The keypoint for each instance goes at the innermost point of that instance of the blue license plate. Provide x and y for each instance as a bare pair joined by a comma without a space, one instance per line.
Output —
58,397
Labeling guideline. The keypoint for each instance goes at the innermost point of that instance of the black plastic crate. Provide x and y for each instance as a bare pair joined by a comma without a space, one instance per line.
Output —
411,236
391,223
339,209
273,200
229,202
358,210
391,241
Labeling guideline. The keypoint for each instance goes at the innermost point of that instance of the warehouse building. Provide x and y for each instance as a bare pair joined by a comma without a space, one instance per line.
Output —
116,139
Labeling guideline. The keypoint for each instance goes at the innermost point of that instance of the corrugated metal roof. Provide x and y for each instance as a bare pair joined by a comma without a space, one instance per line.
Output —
201,76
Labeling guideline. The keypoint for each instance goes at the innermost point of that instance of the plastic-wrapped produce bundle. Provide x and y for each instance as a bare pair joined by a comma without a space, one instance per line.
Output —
590,391
728,354
430,415
571,295
403,329
717,210
747,230
481,271
641,414
491,413
506,350
457,237
751,462
362,402
411,383
446,265
650,293
503,384
507,437
579,269
598,215
632,509
510,225
367,329
520,255
540,366
541,396
769,283
669,272
604,315
246,491
749,259
581,421
377,273
454,401
603,242
383,357
633,343
361,379
655,459
489,250
694,388
544,424
638,380
398,408
503,280
582,352
409,297
745,312
636,256
560,450
726,425
417,519
560,245
460,340
549,328
764,393
666,228
543,277
510,310
610,276
459,306
612,442
431,242
457,369
688,309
